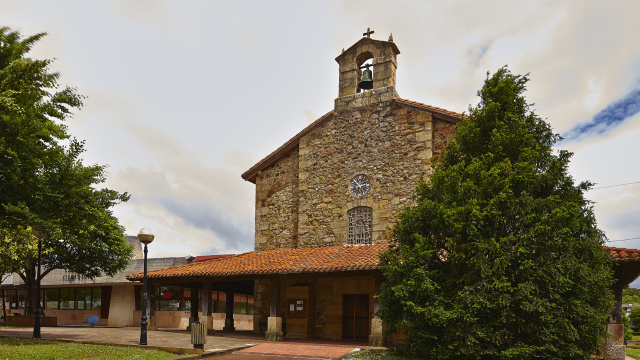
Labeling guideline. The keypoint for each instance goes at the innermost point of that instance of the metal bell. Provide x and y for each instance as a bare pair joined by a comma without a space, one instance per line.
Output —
367,82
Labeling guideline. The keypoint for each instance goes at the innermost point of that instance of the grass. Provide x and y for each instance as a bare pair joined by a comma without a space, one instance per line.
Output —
634,353
374,355
28,349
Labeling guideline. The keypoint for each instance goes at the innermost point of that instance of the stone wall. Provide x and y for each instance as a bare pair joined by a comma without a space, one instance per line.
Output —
383,55
303,198
277,204
389,142
442,132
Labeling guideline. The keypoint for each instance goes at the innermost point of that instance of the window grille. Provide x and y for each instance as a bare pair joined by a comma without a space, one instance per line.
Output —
360,225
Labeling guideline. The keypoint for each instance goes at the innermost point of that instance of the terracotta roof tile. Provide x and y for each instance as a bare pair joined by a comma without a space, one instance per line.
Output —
200,258
622,254
279,261
304,260
429,107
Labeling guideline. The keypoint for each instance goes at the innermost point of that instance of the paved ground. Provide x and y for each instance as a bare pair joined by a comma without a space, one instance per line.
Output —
238,346
173,341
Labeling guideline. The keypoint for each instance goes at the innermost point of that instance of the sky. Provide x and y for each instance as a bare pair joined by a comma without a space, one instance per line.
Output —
182,97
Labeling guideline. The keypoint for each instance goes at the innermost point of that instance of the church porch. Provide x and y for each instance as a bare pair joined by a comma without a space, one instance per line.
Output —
300,293
223,305
334,306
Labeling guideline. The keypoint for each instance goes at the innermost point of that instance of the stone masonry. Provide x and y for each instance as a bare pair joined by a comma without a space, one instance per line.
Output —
303,198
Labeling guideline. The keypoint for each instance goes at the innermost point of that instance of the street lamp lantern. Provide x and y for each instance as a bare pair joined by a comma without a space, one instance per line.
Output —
146,237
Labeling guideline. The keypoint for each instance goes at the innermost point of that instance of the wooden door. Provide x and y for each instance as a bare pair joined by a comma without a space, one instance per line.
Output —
355,317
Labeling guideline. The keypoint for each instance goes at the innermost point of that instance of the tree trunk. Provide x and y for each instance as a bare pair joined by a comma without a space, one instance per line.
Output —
29,278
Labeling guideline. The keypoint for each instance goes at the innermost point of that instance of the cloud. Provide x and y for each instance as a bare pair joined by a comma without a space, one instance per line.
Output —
607,119
206,216
478,54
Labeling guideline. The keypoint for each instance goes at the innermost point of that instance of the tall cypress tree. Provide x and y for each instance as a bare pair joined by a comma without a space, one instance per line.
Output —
500,257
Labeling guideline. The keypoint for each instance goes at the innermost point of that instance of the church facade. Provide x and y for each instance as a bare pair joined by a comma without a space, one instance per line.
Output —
342,182
325,201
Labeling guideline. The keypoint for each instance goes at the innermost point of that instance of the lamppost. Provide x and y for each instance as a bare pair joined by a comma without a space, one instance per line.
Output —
38,313
146,237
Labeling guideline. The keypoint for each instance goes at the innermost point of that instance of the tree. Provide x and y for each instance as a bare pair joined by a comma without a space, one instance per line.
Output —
16,248
44,185
635,317
630,295
500,256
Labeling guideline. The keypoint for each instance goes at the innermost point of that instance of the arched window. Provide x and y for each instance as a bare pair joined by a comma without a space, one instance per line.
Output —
360,225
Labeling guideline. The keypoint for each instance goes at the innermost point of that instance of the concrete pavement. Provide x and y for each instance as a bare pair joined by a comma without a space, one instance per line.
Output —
223,346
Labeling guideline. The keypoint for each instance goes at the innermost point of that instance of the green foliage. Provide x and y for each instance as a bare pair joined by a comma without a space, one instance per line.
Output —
17,247
500,257
633,353
630,295
32,349
628,332
635,316
43,183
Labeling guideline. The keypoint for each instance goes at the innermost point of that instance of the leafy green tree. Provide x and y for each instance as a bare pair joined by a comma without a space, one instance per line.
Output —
16,249
43,184
635,317
630,295
628,332
500,257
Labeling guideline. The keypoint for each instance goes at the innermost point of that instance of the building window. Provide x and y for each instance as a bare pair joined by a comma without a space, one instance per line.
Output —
168,298
72,298
360,225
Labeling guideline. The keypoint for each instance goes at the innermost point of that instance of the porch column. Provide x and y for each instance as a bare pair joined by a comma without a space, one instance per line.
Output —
194,306
274,322
614,348
376,338
228,321
206,307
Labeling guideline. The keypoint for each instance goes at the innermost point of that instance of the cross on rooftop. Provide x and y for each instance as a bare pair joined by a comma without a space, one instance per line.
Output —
368,33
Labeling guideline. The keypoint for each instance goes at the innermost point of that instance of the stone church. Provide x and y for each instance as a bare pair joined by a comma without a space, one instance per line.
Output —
324,202
339,184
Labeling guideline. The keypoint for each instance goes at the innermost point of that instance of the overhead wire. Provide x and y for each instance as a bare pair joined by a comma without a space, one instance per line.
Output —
633,238
608,186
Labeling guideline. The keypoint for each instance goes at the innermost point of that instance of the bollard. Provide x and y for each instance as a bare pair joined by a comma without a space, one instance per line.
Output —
198,335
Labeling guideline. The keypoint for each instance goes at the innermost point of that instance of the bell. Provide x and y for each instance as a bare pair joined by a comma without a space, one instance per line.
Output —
367,82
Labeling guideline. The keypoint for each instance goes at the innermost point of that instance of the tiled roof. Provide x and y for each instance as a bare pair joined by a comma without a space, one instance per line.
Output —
429,107
201,258
279,261
622,254
250,175
305,260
